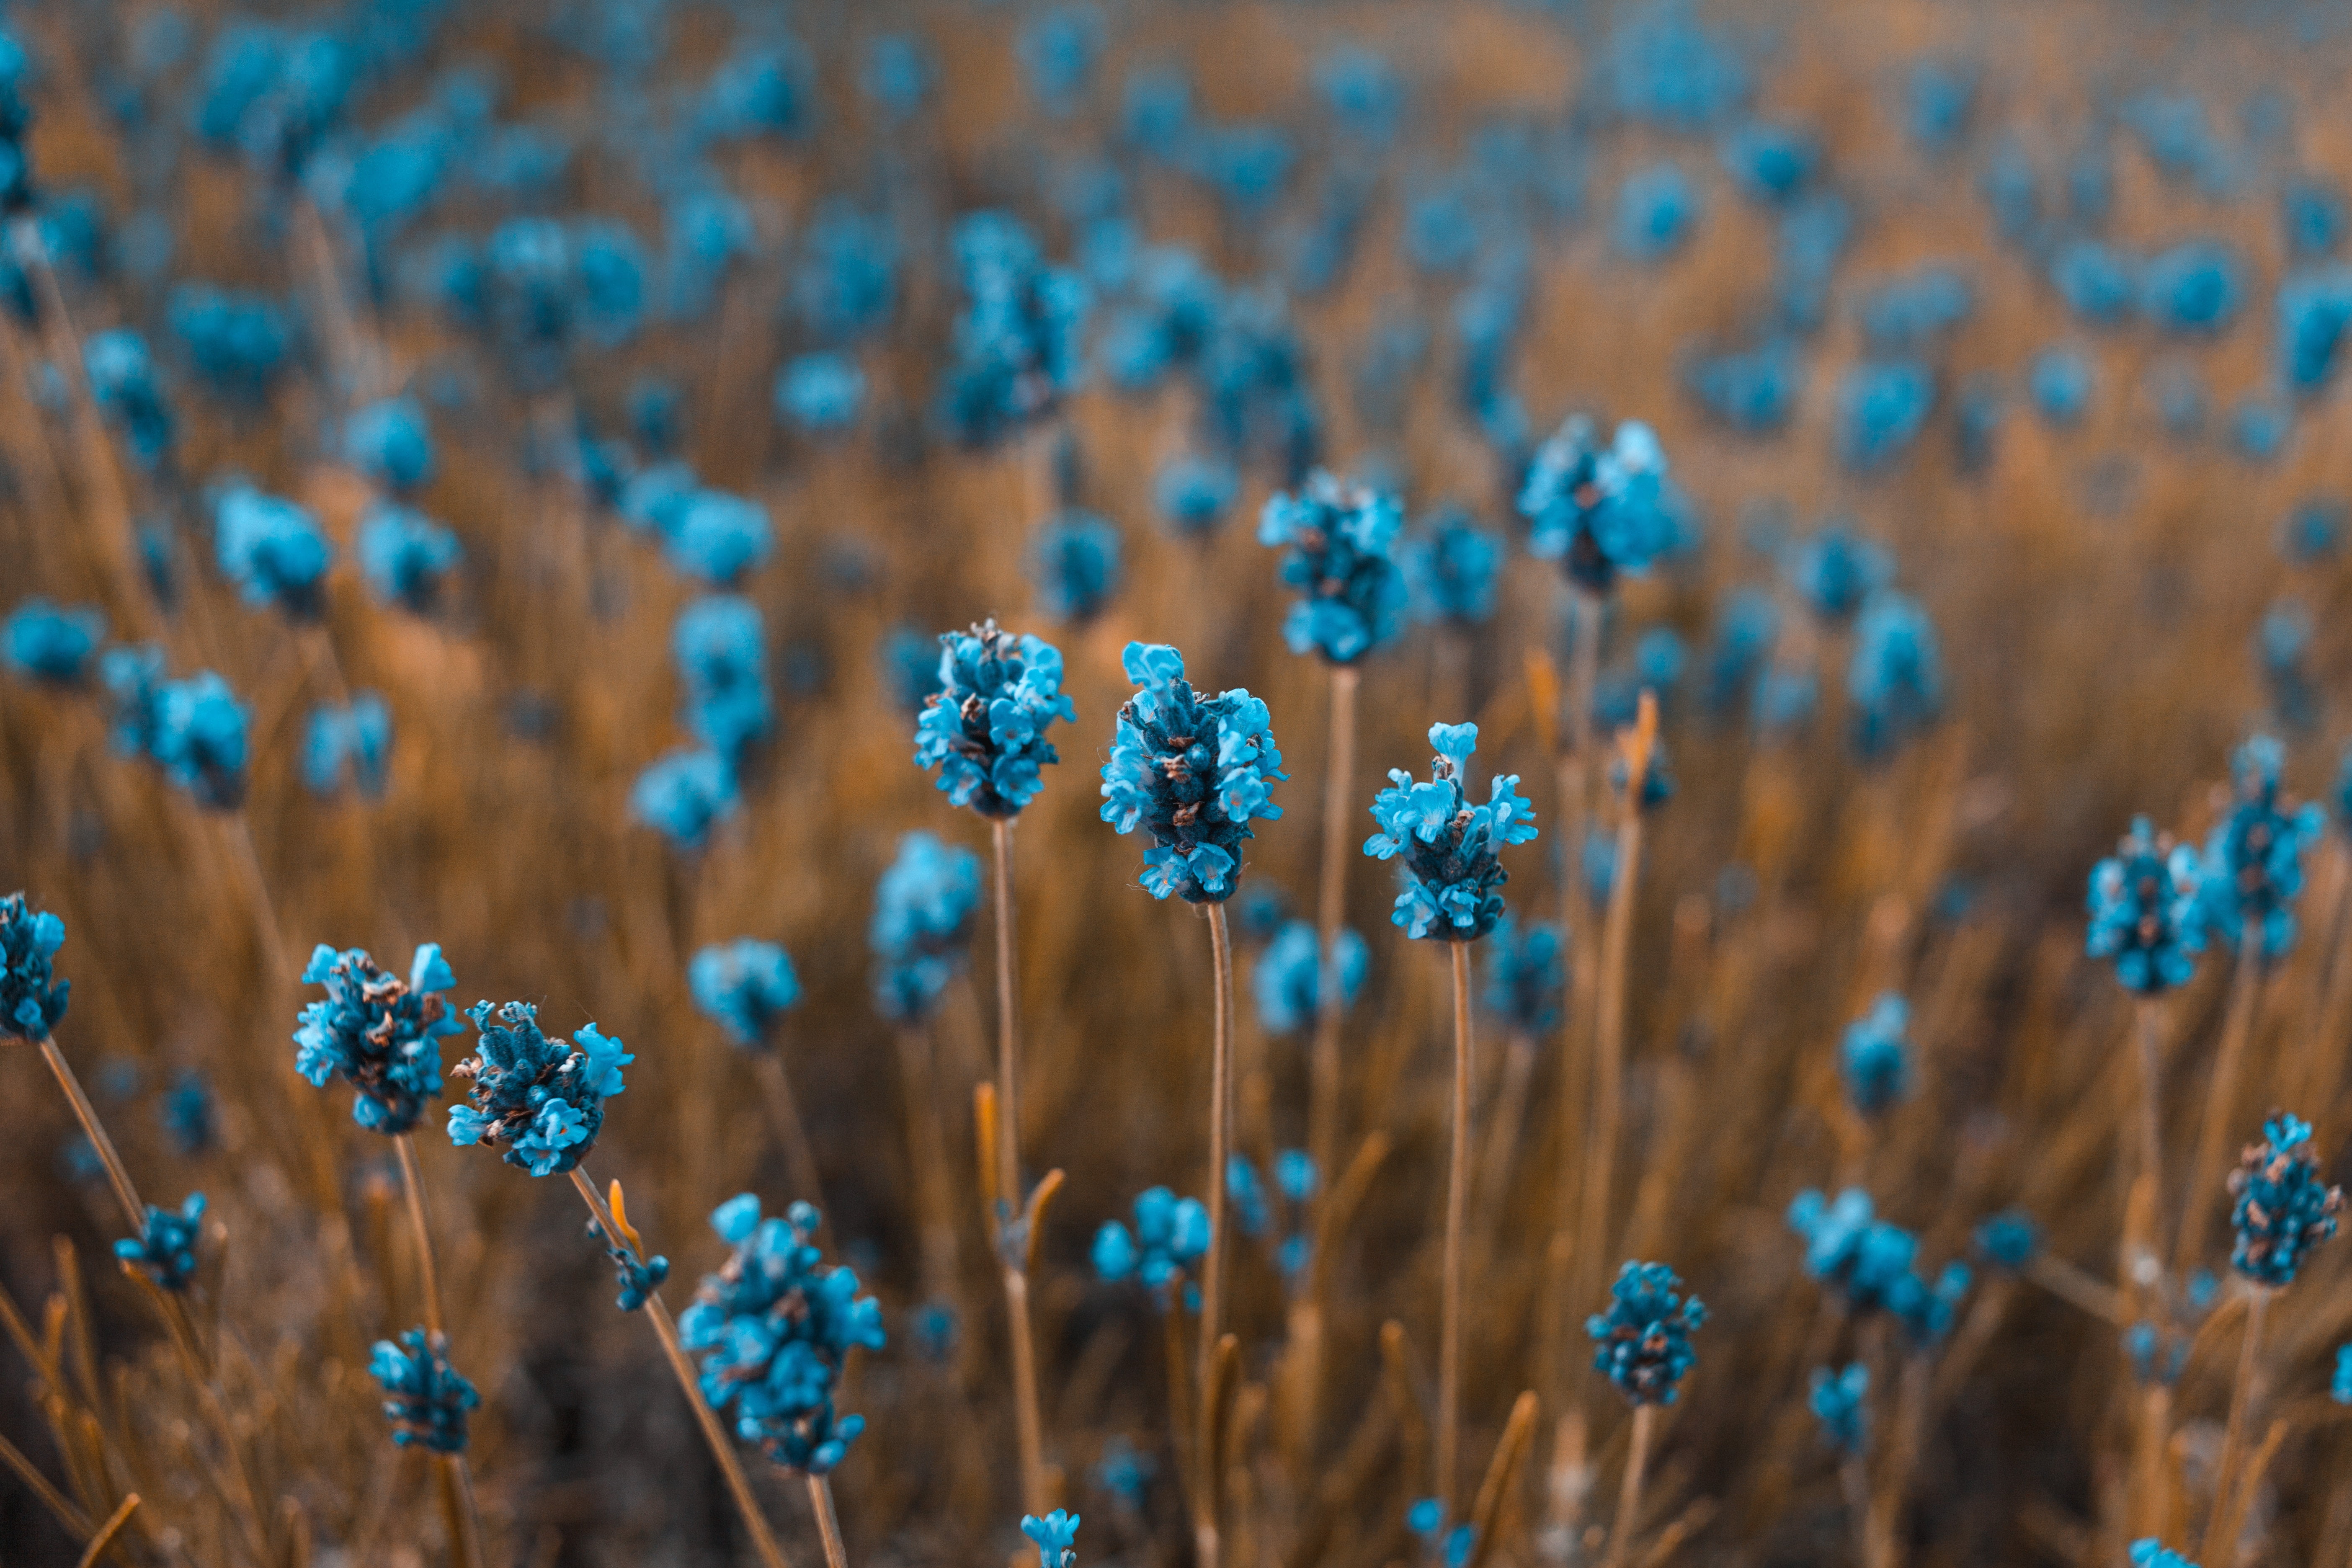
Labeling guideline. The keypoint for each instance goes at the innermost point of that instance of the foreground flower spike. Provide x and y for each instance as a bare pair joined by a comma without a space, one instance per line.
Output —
1171,1234
166,1250
1645,1336
744,987
1341,540
1840,1401
377,1032
2253,869
1192,772
1450,846
920,934
985,728
32,999
2153,1553
1600,512
2283,1208
1874,1058
542,1097
1056,1536
2144,911
771,1329
426,1399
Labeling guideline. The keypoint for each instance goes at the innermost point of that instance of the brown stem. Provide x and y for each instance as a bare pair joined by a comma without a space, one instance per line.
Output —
2220,1097
1629,1495
465,1521
2148,1032
1220,1134
116,1173
783,1109
1026,1418
1457,1209
1608,1050
1330,900
828,1522
1011,1248
2233,1438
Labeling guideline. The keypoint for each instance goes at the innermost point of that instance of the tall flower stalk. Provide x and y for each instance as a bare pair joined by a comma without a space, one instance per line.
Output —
1645,1350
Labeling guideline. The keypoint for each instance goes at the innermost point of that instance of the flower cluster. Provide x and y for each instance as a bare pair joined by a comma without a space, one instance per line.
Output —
639,1276
542,1097
377,1032
1896,675
165,1249
2252,867
1288,981
1056,1536
2339,1387
353,741
425,1399
985,728
2153,1553
1076,565
1341,539
771,1329
32,999
1450,846
2283,1209
391,443
271,549
1453,572
921,929
405,555
2010,1240
1171,1233
1874,1058
196,731
42,642
2146,914
1017,342
1869,1264
1599,511
1192,772
720,646
744,987
1526,974
1840,1401
1645,1336
684,795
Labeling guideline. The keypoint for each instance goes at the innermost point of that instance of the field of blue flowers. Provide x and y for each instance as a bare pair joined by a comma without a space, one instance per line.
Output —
1196,783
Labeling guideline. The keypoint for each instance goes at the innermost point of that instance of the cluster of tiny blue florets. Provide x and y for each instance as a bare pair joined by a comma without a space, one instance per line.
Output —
2283,1208
2146,914
1645,1336
1526,974
922,930
1840,1401
165,1248
1288,983
1055,1536
639,1276
1192,772
426,1399
2253,869
542,1097
1171,1234
377,1032
1340,541
743,985
2153,1553
1870,1264
1451,847
32,999
985,728
1600,511
1874,1058
42,642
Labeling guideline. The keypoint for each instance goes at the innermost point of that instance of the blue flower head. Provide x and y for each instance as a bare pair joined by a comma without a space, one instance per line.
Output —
1193,494
1449,1548
199,739
41,642
353,741
165,1249
1287,981
744,987
32,999
2252,869
1193,772
391,443
2010,1240
1017,342
921,931
820,394
684,795
1526,974
2153,1553
189,1115
271,549
2339,1387
771,1329
425,1399
1169,1235
1452,848
543,1099
1840,1401
1056,1536
377,1032
720,646
2283,1209
1836,570
2146,914
716,537
239,343
1600,511
405,555
123,382
1874,1058
1339,540
638,1276
1451,571
1645,1336
1896,675
1076,565
1868,1264
985,730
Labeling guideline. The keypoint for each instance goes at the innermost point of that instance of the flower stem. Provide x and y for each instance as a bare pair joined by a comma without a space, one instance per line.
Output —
2148,1033
828,1522
116,1173
1330,900
1629,1494
1012,1246
731,1464
2220,1098
1609,1050
2233,1440
465,1521
1457,1212
783,1109
1220,1136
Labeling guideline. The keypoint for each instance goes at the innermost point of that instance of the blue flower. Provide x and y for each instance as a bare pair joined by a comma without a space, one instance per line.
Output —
1896,677
1017,342
271,549
377,1032
353,740
2096,281
985,730
1868,1264
1657,208
2153,1553
2314,308
922,930
1882,406
1193,494
910,666
2195,287
31,999
716,537
1600,511
1451,847
1754,391
1874,1059
771,1329
542,1097
897,74
1058,50
1771,161
744,987
1339,540
198,738
1192,772
1911,313
1247,1195
1645,1336
1526,975
1285,981
2282,1208
238,342
1171,1234
847,284
188,1115
1450,1548
1840,1401
2060,380
684,795
2339,1388
2010,1240
1836,570
1056,1537
1124,1472
2252,871
757,90
405,555
720,646
165,1250
1076,565
427,1399
820,394
1451,570
391,443
2146,914
124,382
1746,627
44,643
638,1276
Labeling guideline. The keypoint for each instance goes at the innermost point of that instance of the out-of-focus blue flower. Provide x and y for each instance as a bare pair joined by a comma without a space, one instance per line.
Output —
2195,287
1246,163
1363,90
1125,1471
1059,49
1451,570
1658,210
2258,427
238,342
760,91
2281,1209
2339,1388
2151,1552
1598,510
542,1097
165,1250
1772,162
910,666
820,394
273,94
42,642
1075,564
1840,1401
2314,308
985,730
391,443
654,499
1882,405
405,555
744,987
771,1329
134,678
31,999
1911,313
1285,981
2010,1240
2062,381
1193,772
718,537
920,934
720,646
1754,391
1941,94
2313,531
271,549
2312,214
377,1032
2281,644
707,231
1171,1234
2146,914
1452,848
189,1116
684,795
897,74
1836,569
1813,235
2252,871
1338,542
1017,342
1661,65
1156,108
2178,138
129,393
353,741
199,739
1526,975
1193,494
1746,626
1055,1537
426,1399
1645,1336
1895,677
1875,1058
1448,1548
2099,283
846,285
1868,1263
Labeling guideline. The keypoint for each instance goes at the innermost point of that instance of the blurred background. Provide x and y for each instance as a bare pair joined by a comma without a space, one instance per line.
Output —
425,368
